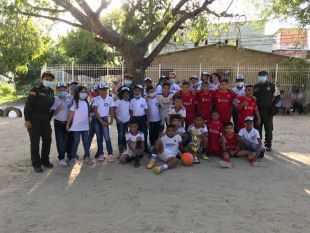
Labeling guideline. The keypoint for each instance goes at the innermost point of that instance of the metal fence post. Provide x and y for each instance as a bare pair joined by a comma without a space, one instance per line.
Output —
200,69
123,73
159,70
276,75
72,69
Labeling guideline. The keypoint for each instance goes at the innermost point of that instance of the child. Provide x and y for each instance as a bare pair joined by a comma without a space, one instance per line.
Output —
103,105
178,108
189,99
215,129
194,83
251,141
122,117
78,123
198,129
135,145
61,107
223,100
239,90
139,111
247,107
154,116
173,86
215,79
165,102
167,148
204,101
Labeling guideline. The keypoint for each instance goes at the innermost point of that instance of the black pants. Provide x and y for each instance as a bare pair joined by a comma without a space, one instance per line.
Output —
267,123
40,129
70,140
235,119
154,132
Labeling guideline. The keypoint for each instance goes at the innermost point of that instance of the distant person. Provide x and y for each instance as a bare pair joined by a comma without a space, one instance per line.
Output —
127,83
205,101
38,114
174,87
215,79
159,86
297,101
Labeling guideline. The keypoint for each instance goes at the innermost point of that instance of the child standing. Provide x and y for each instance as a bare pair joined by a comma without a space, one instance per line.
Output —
165,102
122,117
167,147
178,108
204,101
135,145
103,105
154,116
215,129
78,123
173,86
61,107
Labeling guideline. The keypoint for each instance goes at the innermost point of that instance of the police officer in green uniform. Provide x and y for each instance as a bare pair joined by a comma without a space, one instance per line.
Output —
37,114
264,91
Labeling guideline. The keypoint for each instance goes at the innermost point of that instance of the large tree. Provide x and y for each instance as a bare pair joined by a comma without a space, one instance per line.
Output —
138,24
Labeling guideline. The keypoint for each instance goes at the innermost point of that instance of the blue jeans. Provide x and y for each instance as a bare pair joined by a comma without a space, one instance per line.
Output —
103,133
122,129
61,136
76,141
92,131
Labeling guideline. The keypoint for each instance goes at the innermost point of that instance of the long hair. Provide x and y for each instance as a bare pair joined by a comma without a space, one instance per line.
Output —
76,97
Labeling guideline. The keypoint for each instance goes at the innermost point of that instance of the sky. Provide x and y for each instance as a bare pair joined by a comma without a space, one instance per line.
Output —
241,7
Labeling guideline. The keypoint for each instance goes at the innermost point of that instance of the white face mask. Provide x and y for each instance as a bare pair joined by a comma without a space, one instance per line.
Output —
240,84
152,94
262,79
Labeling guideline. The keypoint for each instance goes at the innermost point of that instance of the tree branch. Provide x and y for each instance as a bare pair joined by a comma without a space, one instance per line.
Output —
104,4
51,10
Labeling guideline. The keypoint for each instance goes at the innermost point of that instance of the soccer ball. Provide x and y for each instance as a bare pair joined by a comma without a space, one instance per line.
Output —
187,159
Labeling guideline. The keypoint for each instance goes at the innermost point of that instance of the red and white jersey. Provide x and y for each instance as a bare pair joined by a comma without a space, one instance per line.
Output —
231,143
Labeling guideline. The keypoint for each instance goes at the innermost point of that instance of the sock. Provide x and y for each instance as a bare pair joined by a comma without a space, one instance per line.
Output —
227,160
154,157
164,166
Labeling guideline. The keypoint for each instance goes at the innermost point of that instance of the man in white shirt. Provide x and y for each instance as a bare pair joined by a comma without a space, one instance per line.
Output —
173,86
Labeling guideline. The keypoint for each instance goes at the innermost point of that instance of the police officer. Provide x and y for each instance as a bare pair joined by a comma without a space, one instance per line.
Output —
37,114
264,91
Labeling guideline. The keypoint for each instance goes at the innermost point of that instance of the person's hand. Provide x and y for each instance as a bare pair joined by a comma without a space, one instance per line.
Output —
148,124
258,122
27,124
104,124
111,121
68,128
61,107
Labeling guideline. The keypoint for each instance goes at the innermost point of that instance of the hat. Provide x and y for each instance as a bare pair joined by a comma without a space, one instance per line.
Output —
60,84
125,89
139,86
72,82
205,73
95,86
102,86
249,118
193,77
163,77
47,74
240,77
147,79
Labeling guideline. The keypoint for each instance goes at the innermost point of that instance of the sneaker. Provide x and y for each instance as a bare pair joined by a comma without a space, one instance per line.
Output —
63,163
151,164
48,165
73,161
268,148
136,163
111,158
224,164
196,161
204,157
88,160
38,169
158,170
261,154
101,158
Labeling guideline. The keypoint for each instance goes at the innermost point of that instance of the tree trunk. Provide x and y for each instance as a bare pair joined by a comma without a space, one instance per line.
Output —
136,69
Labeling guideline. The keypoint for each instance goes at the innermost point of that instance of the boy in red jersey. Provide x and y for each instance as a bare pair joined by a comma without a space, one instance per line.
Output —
223,100
204,101
189,99
247,107
215,129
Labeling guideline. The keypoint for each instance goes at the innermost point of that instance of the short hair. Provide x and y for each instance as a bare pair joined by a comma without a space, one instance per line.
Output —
175,116
166,84
214,111
248,86
47,74
185,83
178,97
263,73
198,115
149,88
128,76
225,80
204,82
170,127
226,124
133,122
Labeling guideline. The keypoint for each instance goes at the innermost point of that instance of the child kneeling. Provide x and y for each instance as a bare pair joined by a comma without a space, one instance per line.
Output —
167,148
135,145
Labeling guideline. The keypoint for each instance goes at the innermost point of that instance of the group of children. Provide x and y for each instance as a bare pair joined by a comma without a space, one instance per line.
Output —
163,121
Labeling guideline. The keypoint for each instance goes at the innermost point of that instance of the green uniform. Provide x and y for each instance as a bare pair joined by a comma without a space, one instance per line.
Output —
264,93
38,112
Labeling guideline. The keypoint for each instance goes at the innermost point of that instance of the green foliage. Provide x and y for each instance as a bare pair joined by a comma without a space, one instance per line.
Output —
6,90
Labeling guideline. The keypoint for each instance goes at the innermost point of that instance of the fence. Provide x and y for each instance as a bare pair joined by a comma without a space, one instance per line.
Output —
288,78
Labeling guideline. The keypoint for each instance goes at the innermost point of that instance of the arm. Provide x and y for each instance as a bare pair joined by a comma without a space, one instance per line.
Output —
112,113
115,116
259,146
30,102
95,109
69,120
258,116
147,117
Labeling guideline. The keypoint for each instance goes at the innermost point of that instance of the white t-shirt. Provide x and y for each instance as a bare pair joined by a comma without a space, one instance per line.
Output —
200,130
80,121
133,138
62,115
159,90
171,144
251,136
181,130
174,88
213,86
122,110
172,111
138,106
103,105
153,105
165,103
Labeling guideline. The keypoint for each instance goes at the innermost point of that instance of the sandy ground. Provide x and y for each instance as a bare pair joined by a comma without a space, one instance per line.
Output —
118,198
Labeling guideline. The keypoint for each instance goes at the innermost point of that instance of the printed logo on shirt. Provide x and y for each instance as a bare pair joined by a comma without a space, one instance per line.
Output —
106,104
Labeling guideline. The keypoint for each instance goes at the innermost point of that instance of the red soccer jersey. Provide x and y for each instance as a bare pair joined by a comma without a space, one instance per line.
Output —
246,110
204,104
215,129
223,104
231,143
189,104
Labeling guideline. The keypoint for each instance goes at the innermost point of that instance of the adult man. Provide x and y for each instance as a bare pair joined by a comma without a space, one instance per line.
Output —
264,91
37,120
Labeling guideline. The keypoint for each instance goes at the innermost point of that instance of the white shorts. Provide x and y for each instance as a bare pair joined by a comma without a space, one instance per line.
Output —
129,153
167,154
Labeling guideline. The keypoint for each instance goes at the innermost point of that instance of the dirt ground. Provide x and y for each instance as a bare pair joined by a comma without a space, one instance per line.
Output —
116,198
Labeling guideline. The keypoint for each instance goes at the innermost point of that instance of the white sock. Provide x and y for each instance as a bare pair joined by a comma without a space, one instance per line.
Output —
154,157
164,166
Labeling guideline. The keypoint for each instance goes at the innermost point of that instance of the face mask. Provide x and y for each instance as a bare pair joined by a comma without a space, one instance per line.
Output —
62,93
262,79
137,96
83,96
127,82
152,94
172,80
240,84
47,83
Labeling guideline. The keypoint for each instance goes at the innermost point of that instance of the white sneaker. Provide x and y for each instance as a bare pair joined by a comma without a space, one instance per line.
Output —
63,163
88,160
111,158
224,164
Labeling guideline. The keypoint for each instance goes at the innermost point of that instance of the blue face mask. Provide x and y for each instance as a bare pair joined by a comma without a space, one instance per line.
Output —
83,96
62,93
47,84
127,83
262,79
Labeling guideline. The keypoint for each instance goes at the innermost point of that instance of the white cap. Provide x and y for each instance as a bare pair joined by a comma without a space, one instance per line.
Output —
102,86
240,77
139,86
72,82
125,89
205,73
249,118
147,79
60,84
193,77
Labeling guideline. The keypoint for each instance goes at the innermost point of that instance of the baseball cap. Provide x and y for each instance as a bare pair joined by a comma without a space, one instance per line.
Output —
102,86
73,82
205,73
249,118
139,86
193,77
47,74
60,84
240,77
125,89
147,79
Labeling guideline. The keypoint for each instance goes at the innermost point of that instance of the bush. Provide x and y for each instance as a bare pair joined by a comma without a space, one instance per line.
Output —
6,90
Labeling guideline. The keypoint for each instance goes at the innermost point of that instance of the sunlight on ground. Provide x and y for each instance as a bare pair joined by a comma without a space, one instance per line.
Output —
74,173
307,191
302,158
47,174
